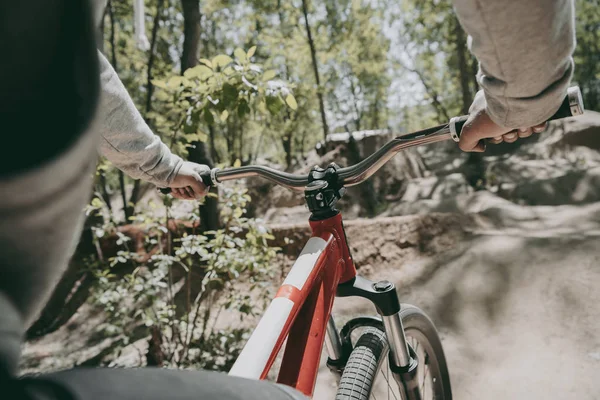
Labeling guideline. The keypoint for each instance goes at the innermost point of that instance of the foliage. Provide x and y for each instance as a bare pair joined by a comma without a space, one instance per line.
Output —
587,53
179,292
225,93
435,52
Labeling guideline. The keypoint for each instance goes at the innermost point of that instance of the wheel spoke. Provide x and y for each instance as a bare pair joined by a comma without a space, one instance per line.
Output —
387,380
388,384
424,380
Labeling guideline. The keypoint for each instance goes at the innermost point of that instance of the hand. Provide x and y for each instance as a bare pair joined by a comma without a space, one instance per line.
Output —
187,184
480,126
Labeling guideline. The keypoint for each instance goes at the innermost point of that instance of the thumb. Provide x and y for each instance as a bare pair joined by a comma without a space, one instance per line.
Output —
479,126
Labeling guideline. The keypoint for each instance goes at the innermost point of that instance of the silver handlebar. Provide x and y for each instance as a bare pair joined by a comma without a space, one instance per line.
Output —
352,175
572,105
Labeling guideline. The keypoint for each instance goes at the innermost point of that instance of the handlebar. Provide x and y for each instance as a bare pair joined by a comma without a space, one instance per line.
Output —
358,173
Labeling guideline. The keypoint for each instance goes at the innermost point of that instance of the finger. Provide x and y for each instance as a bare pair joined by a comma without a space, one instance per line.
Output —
496,140
540,128
185,193
177,194
479,147
525,132
198,189
478,127
188,191
510,137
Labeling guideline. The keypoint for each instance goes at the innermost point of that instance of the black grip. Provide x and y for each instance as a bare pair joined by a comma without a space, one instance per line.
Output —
204,175
571,106
206,178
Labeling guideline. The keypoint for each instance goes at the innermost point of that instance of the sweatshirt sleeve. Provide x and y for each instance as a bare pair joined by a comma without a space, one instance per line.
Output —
525,52
127,140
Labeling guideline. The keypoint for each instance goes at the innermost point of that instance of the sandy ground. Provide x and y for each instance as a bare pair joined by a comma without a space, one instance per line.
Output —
515,299
518,308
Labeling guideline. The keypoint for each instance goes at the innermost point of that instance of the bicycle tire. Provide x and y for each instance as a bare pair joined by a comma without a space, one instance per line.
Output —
370,354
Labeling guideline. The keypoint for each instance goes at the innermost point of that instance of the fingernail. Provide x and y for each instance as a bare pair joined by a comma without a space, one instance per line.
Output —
511,135
538,130
523,130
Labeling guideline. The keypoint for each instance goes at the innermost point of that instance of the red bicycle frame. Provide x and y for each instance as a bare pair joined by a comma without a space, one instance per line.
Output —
300,311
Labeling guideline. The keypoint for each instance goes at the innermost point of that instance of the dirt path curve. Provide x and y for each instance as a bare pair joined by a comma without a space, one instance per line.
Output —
518,309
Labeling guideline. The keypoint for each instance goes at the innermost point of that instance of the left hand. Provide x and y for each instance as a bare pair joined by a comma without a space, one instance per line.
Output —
187,184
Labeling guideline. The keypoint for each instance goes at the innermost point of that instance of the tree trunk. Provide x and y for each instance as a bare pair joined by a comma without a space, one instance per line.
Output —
137,192
463,67
104,191
126,208
213,148
475,169
209,212
474,71
72,290
191,32
286,142
368,197
313,56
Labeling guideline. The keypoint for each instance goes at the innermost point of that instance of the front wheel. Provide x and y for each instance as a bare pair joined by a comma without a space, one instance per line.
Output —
367,373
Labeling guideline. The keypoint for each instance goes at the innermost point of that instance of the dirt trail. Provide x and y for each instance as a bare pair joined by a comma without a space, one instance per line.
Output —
518,306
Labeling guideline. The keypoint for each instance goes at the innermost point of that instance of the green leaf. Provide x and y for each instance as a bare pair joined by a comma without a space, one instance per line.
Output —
291,101
202,137
200,71
174,82
224,116
243,109
208,117
221,60
206,62
249,84
237,163
251,51
273,105
240,54
230,94
189,128
159,83
268,75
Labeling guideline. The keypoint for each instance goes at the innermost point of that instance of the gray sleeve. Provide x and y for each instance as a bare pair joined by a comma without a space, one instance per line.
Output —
524,50
127,140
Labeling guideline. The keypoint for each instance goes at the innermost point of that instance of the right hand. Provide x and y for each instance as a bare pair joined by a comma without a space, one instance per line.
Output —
479,126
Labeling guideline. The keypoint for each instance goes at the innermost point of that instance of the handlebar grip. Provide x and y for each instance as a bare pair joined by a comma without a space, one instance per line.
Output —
571,106
204,175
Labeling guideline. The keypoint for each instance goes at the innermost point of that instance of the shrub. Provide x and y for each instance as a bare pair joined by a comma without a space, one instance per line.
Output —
180,288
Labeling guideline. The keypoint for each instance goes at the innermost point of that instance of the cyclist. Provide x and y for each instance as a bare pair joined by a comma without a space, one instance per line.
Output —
48,90
525,52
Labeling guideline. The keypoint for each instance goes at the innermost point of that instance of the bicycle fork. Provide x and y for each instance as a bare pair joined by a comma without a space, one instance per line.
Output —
402,358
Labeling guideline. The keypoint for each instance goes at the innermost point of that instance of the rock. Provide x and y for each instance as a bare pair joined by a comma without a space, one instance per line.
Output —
436,187
583,130
366,199
574,187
